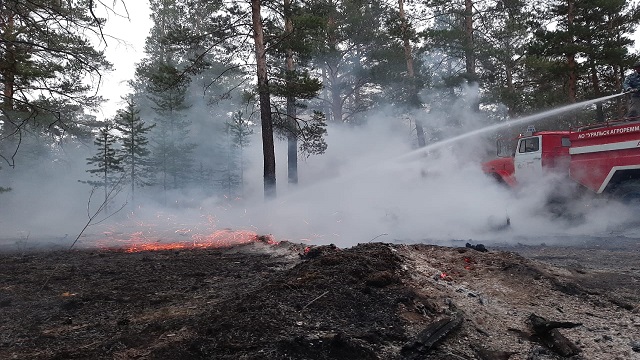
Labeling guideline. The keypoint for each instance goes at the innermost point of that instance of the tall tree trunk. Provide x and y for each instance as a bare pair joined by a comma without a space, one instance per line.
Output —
9,61
595,81
325,95
618,75
106,167
573,78
511,106
133,166
268,150
332,74
8,68
571,57
408,55
336,95
470,60
292,136
469,48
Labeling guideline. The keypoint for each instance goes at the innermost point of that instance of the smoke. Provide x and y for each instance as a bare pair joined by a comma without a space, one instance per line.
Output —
370,185
366,188
437,198
46,203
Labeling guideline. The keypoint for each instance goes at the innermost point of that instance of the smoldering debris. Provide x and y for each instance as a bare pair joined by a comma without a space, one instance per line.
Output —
369,301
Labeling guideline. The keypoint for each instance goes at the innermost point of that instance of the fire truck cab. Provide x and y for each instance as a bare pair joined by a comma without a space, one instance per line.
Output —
537,152
533,153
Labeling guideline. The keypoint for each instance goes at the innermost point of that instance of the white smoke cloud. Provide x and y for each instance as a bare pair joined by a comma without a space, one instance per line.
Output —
46,201
366,187
370,185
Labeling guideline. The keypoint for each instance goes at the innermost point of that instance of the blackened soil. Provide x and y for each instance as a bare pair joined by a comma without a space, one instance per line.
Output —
259,301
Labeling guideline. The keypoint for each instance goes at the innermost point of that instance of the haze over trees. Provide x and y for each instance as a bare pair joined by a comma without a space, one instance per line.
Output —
214,72
48,73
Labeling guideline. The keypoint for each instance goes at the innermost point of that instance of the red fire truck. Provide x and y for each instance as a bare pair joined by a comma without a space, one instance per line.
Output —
603,158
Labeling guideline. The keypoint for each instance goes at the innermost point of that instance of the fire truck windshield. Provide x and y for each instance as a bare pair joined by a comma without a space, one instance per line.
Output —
506,147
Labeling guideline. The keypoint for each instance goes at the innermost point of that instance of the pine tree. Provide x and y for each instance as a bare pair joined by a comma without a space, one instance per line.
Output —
239,133
134,152
166,83
603,29
589,41
502,45
202,45
293,84
172,150
106,163
397,68
407,34
451,48
46,59
264,95
352,31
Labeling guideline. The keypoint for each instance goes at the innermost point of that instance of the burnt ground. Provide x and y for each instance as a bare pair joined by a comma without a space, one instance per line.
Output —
371,301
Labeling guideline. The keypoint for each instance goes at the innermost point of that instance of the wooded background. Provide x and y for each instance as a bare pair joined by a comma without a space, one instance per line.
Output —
215,72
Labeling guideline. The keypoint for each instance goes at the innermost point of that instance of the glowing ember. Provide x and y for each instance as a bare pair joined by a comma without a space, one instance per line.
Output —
141,241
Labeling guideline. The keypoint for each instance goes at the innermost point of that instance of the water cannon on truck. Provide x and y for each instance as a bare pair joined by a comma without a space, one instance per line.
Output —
602,159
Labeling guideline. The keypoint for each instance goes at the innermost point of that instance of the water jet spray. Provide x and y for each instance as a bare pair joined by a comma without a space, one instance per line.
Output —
527,119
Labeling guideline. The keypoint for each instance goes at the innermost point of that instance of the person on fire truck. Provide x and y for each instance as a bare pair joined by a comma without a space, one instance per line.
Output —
632,83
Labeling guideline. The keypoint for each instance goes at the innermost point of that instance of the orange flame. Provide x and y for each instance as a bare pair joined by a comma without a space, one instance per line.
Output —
138,241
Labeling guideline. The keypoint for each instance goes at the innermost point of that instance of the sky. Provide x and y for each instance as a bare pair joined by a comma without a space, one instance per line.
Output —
124,48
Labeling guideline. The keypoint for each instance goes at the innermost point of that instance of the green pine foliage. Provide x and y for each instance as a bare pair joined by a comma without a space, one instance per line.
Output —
172,151
165,83
106,165
135,153
596,34
47,63
231,176
345,55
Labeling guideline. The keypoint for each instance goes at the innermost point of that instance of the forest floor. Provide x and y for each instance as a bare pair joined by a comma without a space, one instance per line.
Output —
267,300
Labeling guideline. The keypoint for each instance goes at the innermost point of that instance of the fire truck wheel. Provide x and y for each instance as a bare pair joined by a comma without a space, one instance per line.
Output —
629,193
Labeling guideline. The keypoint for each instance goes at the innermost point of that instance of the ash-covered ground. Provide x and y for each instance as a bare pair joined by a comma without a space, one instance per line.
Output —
290,301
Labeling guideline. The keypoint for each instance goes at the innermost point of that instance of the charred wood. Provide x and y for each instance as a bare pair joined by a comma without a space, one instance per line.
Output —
488,354
477,247
547,333
433,334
